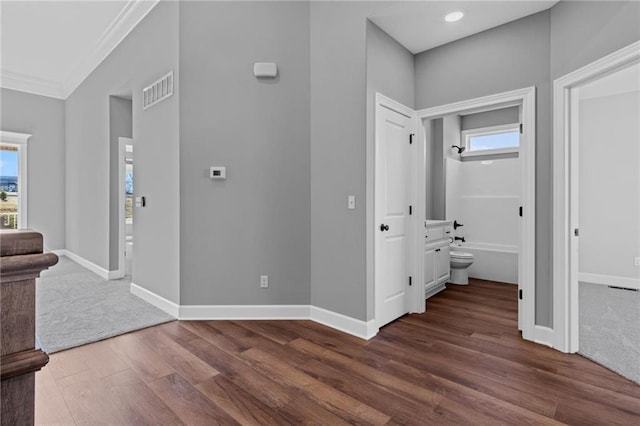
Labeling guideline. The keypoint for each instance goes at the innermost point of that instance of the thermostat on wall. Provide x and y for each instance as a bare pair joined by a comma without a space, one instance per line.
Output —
218,172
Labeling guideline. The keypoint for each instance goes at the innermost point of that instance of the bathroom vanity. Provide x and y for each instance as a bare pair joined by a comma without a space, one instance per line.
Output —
436,255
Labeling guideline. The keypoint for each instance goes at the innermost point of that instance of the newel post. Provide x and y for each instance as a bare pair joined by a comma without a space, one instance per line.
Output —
21,261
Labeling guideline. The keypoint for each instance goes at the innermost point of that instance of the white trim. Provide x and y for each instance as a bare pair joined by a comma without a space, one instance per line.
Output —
244,312
31,84
565,282
525,97
129,17
160,302
13,137
609,280
485,152
103,273
361,329
19,140
58,252
544,335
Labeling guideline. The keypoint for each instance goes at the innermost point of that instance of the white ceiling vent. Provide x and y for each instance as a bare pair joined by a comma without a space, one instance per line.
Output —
157,91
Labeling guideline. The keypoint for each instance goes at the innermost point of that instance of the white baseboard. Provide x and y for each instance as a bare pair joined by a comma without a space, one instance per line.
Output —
243,312
361,329
84,262
544,335
60,252
633,283
358,328
160,302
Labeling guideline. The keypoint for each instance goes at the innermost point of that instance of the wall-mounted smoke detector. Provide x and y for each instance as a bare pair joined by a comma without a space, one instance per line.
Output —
157,91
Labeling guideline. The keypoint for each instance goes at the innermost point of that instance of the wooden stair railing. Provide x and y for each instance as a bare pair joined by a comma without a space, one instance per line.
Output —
21,261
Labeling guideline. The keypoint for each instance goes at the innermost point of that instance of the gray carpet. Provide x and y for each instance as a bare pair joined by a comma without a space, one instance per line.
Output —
610,328
74,306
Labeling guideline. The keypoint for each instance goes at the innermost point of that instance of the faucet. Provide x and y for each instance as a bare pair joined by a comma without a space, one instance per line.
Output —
456,225
459,239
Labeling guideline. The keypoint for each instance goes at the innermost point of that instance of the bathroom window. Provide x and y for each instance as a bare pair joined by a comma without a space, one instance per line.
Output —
491,140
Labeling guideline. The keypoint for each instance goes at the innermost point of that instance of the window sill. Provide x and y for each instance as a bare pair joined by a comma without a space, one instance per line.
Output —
486,152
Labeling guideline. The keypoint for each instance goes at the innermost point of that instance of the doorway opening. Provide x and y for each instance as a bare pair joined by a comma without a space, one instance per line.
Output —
406,276
582,165
125,163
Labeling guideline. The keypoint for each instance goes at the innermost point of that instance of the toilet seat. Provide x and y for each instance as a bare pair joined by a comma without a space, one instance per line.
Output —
460,255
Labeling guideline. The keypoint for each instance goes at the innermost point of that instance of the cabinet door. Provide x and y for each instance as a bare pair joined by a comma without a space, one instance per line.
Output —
429,267
442,263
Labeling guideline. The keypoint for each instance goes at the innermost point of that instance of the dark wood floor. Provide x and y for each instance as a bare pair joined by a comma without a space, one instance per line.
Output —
462,362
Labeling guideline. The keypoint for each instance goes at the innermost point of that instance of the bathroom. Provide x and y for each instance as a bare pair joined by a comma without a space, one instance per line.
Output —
474,183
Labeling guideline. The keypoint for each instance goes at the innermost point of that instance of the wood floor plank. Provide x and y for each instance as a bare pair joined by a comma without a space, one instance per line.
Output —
331,399
461,362
50,406
142,359
188,403
183,361
240,404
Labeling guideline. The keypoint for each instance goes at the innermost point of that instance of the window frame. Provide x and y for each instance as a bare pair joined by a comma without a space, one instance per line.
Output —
19,140
465,135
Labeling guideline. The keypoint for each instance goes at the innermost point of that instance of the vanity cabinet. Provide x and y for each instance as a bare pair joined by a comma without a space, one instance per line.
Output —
436,256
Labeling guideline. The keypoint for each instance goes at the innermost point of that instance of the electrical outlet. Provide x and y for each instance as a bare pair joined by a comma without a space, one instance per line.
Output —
264,281
636,261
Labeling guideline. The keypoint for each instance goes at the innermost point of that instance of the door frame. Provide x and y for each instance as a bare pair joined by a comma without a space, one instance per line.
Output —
122,142
412,299
565,220
526,98
19,141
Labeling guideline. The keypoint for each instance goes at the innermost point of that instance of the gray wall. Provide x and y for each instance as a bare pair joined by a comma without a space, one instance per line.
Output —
509,57
496,117
148,53
338,156
584,31
43,118
120,125
389,71
257,221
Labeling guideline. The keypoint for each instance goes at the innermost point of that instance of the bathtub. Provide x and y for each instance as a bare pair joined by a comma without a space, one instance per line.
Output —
494,262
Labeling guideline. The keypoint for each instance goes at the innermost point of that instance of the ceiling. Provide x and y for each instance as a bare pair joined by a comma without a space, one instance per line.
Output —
50,47
420,25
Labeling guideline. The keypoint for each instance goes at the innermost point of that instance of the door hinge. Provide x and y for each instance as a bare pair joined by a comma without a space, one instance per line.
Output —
410,283
520,294
520,211
410,210
576,232
521,128
411,135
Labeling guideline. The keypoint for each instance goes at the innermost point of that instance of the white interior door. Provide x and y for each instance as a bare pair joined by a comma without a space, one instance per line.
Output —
391,214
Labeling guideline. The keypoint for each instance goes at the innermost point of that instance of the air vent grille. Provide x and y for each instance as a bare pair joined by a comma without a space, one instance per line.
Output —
157,91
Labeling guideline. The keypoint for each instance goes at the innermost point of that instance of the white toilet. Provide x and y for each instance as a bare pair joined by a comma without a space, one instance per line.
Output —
459,262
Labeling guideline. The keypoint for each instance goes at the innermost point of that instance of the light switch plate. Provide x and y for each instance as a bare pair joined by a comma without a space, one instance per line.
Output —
636,261
351,202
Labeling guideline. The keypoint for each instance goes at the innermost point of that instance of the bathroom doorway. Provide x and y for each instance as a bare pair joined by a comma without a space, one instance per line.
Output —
511,117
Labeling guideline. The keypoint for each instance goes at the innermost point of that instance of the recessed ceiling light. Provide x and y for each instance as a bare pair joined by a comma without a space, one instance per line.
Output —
454,16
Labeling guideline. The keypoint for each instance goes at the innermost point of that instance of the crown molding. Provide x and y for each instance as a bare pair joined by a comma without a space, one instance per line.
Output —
128,18
27,83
